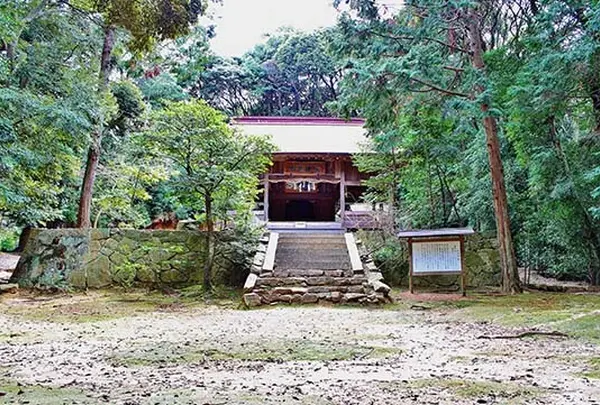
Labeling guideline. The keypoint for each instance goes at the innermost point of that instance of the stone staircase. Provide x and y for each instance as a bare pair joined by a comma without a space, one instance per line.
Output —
309,267
310,251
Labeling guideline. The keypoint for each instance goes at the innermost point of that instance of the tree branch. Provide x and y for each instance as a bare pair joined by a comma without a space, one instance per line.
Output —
411,38
440,89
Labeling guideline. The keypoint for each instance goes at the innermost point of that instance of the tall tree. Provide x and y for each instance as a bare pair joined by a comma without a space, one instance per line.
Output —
433,51
291,73
146,22
45,109
216,169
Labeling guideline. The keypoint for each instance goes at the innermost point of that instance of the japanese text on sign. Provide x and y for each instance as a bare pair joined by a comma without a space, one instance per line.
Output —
436,257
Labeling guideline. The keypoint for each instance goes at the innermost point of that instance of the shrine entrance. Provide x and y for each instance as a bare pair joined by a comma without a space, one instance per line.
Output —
300,210
317,204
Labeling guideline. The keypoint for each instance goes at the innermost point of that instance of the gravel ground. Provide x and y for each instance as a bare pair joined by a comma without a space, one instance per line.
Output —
290,355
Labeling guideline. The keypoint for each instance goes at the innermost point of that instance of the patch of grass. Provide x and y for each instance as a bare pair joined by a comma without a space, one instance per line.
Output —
14,393
16,337
105,305
370,337
586,327
491,391
593,371
483,389
276,351
574,314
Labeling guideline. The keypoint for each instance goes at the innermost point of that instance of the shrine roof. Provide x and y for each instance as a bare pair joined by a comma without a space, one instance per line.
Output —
308,134
428,233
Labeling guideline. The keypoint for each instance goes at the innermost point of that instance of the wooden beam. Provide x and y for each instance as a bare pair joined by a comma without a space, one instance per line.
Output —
410,267
316,178
463,270
266,197
343,196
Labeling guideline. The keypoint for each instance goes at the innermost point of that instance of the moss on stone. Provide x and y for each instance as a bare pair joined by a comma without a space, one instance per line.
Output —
89,259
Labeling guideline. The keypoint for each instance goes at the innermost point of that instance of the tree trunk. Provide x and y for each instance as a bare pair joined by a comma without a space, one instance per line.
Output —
508,260
210,243
93,157
24,238
394,189
87,187
594,87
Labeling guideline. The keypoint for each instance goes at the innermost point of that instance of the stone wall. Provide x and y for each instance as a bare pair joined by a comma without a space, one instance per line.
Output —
62,258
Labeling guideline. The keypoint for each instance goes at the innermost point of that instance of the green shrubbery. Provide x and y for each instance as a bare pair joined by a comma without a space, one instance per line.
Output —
389,255
9,239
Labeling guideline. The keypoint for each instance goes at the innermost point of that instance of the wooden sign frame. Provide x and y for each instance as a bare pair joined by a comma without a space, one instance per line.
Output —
462,272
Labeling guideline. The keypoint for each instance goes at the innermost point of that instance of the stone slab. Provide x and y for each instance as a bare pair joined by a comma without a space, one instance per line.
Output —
250,282
269,262
353,252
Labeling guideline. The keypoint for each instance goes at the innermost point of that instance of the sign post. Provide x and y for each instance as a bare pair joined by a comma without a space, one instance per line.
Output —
436,252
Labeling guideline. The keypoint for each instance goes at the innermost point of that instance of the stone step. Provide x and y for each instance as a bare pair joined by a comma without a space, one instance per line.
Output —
331,238
311,281
297,289
323,265
287,296
311,273
310,243
312,256
313,243
312,248
312,235
311,264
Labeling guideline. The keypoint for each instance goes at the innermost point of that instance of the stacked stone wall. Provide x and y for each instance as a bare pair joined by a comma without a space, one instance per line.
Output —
63,258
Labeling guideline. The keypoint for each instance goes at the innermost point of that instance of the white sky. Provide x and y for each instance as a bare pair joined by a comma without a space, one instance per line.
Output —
241,24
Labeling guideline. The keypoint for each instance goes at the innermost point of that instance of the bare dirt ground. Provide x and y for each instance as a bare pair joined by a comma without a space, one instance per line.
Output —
137,349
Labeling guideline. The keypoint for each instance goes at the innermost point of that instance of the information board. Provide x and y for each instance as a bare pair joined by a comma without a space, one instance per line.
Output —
436,257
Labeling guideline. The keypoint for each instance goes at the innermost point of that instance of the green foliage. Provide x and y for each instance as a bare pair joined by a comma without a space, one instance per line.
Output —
125,273
46,111
409,76
146,21
207,157
390,256
290,74
9,239
215,169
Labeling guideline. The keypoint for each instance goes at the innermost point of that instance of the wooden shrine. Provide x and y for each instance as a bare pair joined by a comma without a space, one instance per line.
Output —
313,178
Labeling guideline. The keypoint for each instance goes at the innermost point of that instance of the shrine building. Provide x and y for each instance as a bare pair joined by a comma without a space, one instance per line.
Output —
313,181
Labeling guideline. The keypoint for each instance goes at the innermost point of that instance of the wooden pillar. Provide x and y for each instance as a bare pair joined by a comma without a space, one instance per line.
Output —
343,195
463,270
266,197
410,267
